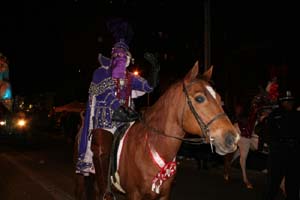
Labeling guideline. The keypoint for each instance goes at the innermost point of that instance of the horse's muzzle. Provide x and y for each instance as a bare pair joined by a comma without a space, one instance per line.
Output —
228,145
230,140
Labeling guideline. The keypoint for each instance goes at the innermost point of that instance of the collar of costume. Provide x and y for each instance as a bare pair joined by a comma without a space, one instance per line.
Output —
104,61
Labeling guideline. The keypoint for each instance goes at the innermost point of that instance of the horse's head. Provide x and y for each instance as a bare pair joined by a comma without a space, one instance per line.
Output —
204,115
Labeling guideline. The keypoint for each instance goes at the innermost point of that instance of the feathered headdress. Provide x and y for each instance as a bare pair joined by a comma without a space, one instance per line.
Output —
122,32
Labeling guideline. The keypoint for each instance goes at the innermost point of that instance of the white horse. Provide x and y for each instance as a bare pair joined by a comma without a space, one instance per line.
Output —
244,146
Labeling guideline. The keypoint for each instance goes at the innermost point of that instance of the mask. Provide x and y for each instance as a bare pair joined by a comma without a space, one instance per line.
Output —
120,60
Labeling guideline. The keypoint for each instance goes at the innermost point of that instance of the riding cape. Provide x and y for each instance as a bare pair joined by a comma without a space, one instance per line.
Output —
105,96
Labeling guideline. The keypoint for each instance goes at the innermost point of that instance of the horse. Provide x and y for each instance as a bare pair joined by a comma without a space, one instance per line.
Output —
258,112
146,164
244,146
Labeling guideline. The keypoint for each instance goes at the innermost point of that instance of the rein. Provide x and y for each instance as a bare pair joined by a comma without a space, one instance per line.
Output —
186,140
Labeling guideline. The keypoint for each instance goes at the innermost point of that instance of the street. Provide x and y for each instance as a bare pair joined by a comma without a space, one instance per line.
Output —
43,169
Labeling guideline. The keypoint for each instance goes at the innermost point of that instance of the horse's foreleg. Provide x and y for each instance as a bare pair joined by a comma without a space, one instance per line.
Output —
282,186
236,154
244,150
79,187
166,197
133,196
227,165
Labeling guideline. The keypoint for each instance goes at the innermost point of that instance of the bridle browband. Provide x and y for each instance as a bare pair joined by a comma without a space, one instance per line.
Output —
204,126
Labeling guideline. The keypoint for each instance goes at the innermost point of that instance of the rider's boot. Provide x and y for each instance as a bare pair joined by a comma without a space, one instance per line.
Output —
101,147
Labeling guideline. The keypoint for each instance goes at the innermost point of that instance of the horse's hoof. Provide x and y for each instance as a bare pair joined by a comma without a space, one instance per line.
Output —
249,185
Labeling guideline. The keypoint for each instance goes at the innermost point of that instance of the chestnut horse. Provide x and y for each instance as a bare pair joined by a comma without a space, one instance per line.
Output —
146,164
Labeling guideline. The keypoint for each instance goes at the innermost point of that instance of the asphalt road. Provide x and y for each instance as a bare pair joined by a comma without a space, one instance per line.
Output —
43,170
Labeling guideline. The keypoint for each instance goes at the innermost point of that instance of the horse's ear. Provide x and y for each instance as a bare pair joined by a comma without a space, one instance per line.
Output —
192,74
208,73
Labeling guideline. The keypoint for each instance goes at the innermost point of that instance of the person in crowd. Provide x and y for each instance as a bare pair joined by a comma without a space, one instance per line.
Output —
283,139
260,127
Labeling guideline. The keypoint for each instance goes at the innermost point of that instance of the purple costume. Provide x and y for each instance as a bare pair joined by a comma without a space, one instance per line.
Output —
112,86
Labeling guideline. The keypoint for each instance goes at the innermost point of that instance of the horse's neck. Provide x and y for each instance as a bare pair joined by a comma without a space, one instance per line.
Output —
164,116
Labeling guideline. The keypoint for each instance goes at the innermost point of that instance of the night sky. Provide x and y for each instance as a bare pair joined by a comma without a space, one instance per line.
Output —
52,46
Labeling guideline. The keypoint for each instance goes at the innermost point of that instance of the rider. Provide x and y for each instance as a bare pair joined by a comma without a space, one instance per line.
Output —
110,104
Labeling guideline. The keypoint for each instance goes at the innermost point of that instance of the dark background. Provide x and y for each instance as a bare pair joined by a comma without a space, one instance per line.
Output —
53,46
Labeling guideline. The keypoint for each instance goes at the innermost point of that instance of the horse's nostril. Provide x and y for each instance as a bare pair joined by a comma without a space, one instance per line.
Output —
229,140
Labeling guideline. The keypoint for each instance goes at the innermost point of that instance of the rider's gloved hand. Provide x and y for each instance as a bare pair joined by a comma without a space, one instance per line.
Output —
153,77
125,114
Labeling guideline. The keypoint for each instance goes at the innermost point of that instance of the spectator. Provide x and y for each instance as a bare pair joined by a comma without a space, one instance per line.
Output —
283,139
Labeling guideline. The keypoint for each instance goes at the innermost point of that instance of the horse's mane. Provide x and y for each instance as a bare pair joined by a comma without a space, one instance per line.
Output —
164,100
168,101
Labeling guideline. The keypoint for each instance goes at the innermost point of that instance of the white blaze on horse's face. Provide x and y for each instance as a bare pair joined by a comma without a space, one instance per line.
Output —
211,91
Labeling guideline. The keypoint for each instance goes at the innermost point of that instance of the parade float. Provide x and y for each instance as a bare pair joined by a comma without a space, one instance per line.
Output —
11,121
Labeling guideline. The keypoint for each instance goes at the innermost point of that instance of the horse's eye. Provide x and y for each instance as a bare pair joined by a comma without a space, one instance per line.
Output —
200,99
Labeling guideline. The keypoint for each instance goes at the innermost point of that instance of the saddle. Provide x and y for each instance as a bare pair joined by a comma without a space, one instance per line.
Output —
125,114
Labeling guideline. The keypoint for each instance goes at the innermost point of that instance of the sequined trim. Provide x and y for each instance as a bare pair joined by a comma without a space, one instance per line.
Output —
103,116
99,88
104,67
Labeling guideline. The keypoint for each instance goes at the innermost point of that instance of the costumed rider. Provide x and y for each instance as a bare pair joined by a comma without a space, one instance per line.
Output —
109,106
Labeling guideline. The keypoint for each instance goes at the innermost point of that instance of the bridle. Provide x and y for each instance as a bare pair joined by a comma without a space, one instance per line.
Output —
203,126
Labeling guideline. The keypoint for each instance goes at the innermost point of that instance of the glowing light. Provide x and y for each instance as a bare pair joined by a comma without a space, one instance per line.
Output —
2,123
136,72
21,122
7,94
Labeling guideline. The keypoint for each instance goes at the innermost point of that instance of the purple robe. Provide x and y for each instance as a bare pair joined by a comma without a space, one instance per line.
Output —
105,96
